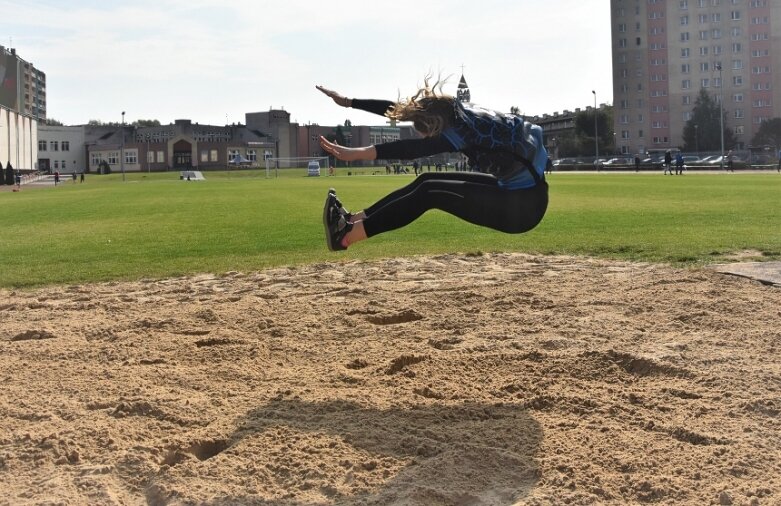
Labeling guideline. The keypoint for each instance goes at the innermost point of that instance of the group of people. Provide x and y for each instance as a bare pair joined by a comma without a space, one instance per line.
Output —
668,163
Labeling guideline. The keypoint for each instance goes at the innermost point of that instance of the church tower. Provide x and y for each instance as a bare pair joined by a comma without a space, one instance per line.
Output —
463,94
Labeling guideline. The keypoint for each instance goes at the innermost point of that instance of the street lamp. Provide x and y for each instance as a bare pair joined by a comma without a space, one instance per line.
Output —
721,113
697,139
596,134
122,148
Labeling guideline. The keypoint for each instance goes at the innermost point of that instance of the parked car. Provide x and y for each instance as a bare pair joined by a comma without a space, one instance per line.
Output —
717,160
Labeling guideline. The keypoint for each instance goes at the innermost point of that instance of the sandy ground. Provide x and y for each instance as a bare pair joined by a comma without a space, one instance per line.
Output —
493,379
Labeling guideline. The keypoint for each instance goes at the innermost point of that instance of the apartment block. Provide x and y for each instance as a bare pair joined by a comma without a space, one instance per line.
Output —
666,51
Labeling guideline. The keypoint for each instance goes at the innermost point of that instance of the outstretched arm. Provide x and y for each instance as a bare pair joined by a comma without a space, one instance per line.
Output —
373,106
348,154
336,97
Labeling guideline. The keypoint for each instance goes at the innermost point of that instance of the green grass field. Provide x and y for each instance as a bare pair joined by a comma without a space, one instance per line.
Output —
153,225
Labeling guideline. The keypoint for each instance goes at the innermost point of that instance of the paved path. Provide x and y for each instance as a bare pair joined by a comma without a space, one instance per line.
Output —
766,272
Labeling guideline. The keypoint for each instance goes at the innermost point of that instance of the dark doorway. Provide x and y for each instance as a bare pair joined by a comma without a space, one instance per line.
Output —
183,155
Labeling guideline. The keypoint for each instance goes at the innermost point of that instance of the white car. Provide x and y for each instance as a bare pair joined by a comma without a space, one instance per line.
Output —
313,169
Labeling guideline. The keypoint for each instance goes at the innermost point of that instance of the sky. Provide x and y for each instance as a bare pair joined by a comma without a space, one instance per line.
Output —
212,61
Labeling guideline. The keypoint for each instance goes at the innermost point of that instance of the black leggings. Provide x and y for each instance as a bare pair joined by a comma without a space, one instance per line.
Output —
471,196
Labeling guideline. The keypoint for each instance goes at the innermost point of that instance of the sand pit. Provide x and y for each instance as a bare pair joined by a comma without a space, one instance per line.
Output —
492,379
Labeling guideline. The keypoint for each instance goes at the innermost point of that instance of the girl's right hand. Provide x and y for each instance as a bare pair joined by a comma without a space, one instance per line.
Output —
339,99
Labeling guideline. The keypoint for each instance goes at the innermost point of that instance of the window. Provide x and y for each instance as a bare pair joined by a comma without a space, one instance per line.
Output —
204,155
131,156
716,49
716,33
717,82
160,157
684,4
684,20
736,47
687,116
739,130
622,28
686,99
703,51
735,15
637,41
684,36
703,18
705,83
640,118
760,70
640,134
42,145
703,34
704,66
738,113
686,84
252,155
66,145
759,36
624,134
716,17
759,53
737,80
150,157
621,42
737,64
213,155
735,31
94,159
55,145
113,158
685,52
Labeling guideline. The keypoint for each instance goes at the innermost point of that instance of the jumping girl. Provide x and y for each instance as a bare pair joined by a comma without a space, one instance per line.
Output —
507,192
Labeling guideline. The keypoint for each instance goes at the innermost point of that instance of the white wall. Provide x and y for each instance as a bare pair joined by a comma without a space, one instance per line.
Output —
17,135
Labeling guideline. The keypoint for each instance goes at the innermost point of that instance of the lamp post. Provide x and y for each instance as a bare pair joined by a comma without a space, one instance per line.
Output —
596,134
697,139
122,148
721,113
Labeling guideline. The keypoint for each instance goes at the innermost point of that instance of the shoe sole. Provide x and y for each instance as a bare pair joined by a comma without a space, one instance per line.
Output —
326,207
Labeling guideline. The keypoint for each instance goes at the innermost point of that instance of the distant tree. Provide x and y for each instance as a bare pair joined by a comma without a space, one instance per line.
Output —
584,130
701,132
9,174
348,123
146,123
97,122
53,122
515,110
769,134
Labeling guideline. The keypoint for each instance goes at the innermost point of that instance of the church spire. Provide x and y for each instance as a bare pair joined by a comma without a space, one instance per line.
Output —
462,94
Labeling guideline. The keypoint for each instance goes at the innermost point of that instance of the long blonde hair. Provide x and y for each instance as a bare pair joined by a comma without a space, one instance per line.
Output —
430,110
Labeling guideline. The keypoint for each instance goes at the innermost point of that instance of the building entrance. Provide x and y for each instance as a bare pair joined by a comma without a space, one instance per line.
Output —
183,155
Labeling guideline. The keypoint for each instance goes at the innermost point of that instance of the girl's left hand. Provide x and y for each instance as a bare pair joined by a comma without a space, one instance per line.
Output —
347,154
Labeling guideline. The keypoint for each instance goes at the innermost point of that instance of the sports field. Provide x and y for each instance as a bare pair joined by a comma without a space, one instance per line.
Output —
154,225
166,342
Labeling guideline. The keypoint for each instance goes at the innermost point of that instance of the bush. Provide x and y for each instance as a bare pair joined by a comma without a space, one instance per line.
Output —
9,175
